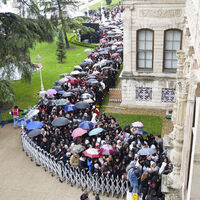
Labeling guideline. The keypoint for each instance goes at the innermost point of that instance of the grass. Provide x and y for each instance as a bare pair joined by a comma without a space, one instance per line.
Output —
152,124
26,93
98,5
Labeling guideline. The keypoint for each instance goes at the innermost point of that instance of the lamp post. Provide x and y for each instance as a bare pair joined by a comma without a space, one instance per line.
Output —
39,63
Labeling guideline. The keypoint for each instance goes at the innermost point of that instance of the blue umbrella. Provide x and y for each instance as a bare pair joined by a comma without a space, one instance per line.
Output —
95,131
23,122
70,107
61,92
34,125
86,125
141,132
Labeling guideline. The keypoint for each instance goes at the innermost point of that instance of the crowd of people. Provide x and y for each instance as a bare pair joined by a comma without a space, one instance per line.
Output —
141,160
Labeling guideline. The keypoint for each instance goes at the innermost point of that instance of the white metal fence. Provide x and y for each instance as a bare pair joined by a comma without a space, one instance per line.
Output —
104,184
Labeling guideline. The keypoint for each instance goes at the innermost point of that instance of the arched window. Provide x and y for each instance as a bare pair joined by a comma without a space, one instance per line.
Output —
172,43
144,49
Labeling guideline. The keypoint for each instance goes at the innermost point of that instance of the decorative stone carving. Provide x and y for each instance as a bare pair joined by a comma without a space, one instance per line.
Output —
197,92
165,13
168,95
143,94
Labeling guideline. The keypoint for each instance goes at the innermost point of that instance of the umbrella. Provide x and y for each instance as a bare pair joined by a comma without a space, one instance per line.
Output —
32,113
95,72
83,73
73,80
91,77
78,132
107,149
70,107
92,82
34,125
95,54
83,64
61,102
146,151
86,125
82,105
51,103
114,47
60,121
51,92
119,50
76,90
85,96
115,55
76,72
141,132
103,41
77,148
43,102
68,94
78,67
57,88
61,92
86,50
103,52
88,60
100,64
138,124
92,153
88,100
106,68
22,122
34,133
62,80
95,131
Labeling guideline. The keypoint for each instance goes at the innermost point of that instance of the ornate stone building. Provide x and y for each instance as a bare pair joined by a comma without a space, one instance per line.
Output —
183,143
152,34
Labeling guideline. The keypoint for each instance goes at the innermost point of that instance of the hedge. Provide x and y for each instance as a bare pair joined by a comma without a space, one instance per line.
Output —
74,40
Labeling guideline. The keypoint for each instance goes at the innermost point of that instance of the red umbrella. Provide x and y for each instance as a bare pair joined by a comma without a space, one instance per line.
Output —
115,55
92,153
72,80
107,149
78,132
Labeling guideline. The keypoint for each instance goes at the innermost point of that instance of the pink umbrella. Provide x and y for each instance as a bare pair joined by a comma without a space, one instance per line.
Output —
103,41
115,55
51,91
138,124
78,132
107,149
92,153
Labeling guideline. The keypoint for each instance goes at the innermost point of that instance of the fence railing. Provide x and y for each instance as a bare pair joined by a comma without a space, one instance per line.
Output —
104,184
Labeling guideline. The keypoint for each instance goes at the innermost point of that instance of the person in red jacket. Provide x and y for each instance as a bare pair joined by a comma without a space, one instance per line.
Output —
15,113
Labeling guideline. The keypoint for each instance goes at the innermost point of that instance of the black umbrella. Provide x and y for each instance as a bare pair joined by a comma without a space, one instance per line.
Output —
60,121
51,103
76,90
43,102
83,64
68,94
34,133
82,105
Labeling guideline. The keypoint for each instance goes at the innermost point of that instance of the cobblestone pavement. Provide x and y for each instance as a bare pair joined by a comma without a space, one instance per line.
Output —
21,179
167,125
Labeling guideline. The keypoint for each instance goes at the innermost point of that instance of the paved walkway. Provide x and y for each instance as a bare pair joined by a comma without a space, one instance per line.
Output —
21,179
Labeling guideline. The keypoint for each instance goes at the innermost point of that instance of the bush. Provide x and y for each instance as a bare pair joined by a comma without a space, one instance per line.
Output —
74,40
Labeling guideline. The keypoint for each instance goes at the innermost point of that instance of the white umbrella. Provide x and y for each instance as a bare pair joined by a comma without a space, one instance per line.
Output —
76,72
89,100
86,50
78,67
32,113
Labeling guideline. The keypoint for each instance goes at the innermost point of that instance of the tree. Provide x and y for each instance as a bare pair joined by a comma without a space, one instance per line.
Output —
108,2
61,51
57,10
18,35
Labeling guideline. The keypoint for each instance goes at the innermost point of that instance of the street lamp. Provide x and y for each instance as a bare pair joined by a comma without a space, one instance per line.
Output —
42,92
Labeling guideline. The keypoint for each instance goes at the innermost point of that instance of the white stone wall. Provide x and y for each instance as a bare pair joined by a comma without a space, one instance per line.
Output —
158,16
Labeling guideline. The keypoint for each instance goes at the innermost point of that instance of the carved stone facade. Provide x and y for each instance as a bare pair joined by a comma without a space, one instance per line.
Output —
183,143
158,17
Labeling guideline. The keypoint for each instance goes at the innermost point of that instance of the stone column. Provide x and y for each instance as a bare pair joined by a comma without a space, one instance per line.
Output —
173,181
127,21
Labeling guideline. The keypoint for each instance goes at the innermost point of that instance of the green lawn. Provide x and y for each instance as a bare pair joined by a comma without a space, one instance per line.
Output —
98,5
152,124
26,93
